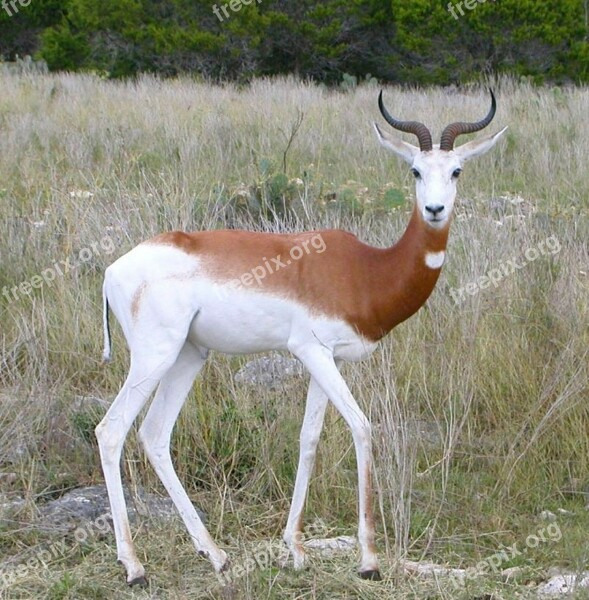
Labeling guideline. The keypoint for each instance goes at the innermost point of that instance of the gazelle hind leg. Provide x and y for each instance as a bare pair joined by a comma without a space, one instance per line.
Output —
155,434
144,375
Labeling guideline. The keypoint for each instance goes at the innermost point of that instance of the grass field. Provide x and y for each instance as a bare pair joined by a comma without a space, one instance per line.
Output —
480,402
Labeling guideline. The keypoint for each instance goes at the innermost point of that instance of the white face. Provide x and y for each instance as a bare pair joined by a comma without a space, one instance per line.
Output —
436,173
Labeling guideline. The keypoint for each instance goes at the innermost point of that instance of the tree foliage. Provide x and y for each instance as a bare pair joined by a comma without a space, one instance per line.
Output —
412,41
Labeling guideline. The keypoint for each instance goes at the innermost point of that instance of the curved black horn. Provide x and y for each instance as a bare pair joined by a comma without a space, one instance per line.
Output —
455,129
418,129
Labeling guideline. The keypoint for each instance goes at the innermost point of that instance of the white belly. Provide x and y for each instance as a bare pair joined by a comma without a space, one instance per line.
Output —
244,321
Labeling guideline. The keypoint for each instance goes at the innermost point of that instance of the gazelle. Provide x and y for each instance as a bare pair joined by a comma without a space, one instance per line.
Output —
179,295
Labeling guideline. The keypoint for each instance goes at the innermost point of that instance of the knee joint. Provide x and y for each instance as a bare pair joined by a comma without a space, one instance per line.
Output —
363,431
153,447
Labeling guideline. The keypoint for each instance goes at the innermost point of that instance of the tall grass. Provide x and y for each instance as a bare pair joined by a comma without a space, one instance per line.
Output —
479,407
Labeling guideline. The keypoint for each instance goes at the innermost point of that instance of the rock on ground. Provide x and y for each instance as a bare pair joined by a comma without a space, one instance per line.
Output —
563,584
91,503
269,371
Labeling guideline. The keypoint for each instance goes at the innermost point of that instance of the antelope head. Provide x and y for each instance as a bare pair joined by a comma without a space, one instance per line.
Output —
436,167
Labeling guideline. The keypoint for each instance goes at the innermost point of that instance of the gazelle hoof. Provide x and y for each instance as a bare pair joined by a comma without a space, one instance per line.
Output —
372,575
226,566
135,571
141,581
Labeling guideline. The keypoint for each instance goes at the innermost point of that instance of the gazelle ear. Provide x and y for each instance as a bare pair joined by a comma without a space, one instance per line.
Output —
403,149
478,147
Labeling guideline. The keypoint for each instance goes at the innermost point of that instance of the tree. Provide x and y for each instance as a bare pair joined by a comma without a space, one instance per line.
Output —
406,41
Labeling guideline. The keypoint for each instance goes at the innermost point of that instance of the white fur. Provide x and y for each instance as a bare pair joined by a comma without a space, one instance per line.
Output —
181,314
435,260
436,187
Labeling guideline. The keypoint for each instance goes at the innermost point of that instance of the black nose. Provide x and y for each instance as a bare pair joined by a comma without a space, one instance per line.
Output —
435,209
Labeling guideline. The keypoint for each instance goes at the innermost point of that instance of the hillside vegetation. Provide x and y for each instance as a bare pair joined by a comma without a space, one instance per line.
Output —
332,41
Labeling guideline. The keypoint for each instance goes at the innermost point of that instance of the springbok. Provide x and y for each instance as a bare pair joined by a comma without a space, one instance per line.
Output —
179,295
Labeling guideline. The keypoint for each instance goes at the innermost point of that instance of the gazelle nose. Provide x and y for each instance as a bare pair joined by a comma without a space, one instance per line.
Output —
434,209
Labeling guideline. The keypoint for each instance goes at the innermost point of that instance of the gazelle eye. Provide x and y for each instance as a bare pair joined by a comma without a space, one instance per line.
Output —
456,173
416,173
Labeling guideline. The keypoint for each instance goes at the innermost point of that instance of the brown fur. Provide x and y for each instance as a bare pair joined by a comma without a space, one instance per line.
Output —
136,301
372,289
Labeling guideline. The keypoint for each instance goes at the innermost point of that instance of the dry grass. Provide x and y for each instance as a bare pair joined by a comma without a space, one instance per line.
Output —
480,408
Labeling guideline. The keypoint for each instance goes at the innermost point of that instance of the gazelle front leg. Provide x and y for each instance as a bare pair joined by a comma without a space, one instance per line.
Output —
320,363
309,437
